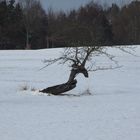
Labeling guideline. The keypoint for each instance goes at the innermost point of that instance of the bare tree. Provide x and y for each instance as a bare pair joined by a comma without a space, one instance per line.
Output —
81,60
33,14
26,6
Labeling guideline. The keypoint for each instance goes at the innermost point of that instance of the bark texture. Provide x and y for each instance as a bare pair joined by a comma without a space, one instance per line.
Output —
58,89
70,84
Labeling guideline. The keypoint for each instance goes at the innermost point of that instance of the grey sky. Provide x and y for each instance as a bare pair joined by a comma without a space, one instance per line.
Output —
70,4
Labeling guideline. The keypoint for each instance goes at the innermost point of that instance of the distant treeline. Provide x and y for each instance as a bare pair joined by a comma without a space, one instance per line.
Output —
26,25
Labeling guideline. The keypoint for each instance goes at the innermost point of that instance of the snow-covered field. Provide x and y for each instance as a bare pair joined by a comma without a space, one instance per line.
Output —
112,112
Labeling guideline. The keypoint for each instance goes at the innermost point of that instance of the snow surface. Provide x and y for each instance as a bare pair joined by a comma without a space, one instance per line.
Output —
112,112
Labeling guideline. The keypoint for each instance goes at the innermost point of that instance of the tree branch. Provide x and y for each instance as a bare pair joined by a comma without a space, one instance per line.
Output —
104,68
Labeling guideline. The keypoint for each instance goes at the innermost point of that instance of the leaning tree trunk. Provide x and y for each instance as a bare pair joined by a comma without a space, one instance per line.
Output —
69,85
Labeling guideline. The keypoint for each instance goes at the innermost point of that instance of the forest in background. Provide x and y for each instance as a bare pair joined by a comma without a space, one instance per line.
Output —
26,25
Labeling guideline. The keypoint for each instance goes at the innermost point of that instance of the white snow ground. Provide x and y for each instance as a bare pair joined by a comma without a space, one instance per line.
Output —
111,113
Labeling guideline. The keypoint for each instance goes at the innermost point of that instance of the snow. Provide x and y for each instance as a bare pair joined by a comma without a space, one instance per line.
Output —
110,113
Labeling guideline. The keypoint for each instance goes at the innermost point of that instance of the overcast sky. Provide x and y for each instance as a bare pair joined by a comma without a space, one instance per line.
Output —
70,4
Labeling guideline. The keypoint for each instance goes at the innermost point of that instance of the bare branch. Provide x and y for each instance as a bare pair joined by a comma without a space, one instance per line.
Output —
76,55
82,55
126,49
110,56
50,62
105,68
